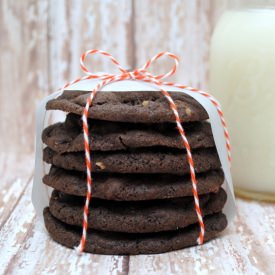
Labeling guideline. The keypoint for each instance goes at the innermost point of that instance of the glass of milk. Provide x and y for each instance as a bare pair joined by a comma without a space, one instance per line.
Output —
242,77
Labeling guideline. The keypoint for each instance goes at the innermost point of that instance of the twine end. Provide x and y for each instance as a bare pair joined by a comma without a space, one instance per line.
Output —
199,241
78,250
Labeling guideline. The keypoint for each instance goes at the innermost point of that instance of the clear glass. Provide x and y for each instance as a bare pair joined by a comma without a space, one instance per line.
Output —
242,77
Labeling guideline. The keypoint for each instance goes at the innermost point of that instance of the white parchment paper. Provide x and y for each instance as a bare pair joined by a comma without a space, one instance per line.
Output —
41,193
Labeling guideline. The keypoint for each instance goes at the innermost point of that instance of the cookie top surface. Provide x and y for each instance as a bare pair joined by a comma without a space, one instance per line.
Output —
146,107
137,161
108,136
112,243
132,187
135,217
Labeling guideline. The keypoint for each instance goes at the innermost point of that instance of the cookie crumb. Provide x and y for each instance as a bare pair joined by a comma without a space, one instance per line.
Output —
145,103
100,165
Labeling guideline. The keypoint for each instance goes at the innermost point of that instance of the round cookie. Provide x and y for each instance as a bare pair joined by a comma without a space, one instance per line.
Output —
111,243
138,161
144,107
109,136
132,187
134,217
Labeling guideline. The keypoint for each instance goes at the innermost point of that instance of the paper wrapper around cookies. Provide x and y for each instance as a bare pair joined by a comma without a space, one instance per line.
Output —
41,193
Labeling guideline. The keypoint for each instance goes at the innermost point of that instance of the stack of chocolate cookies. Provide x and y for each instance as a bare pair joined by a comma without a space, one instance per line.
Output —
142,198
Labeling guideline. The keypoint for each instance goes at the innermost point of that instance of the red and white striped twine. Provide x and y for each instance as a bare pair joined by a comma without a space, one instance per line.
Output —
143,75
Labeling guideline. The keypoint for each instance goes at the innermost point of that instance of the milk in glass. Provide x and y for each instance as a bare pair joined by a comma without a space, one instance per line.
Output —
242,77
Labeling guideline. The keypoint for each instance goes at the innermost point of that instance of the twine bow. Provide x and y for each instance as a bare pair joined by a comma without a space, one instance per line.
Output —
141,74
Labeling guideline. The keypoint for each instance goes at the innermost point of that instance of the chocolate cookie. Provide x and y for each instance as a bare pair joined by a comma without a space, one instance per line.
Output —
99,242
143,107
108,136
139,161
132,187
134,217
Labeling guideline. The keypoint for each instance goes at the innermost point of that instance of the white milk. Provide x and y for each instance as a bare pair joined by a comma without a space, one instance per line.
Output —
242,77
